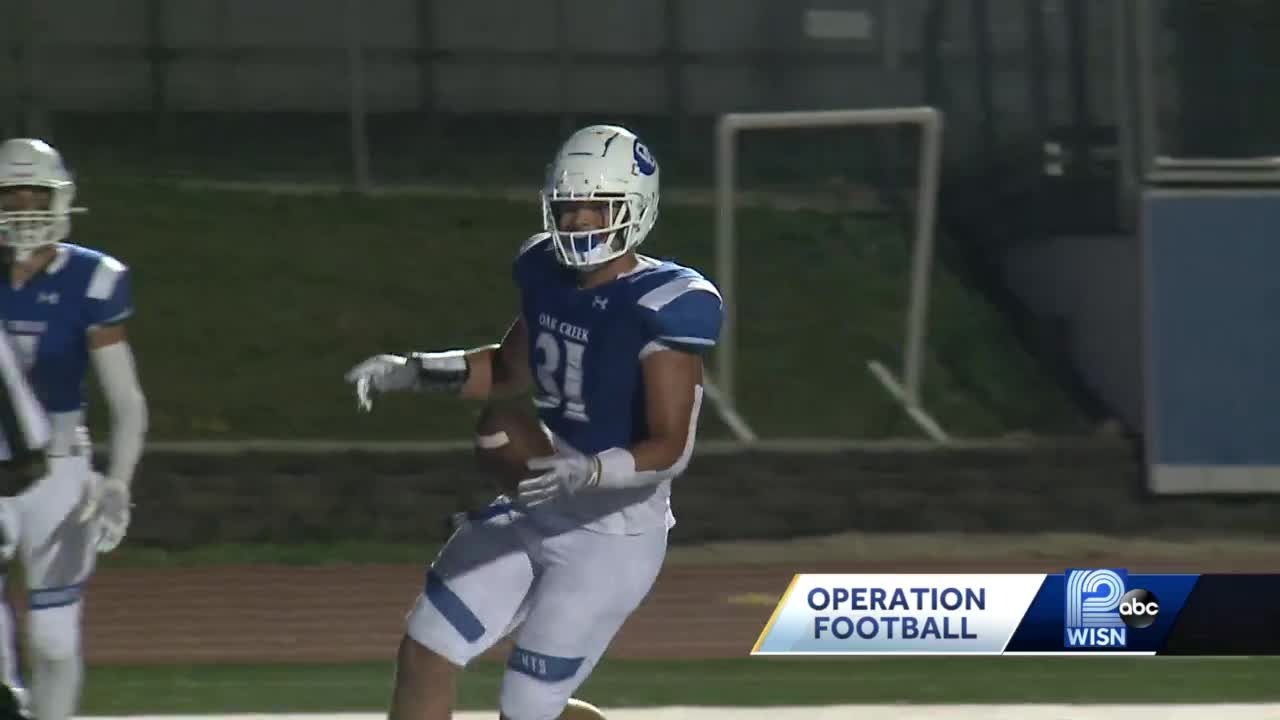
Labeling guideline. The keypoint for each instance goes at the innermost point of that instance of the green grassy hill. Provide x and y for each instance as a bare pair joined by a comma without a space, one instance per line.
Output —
252,305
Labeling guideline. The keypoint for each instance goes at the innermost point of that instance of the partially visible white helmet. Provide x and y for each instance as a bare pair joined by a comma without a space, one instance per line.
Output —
609,164
26,162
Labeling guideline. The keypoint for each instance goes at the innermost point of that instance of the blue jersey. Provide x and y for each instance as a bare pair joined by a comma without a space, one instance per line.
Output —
586,345
48,318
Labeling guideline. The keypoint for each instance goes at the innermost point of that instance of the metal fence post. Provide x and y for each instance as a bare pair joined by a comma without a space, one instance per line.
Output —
157,55
8,79
355,73
980,26
425,15
673,65
159,58
31,118
563,63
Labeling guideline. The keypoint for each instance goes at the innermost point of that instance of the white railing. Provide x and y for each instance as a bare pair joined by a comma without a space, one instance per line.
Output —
907,390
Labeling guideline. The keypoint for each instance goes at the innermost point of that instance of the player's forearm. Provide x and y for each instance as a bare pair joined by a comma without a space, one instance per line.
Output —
647,462
657,455
128,407
490,375
672,402
457,372
477,374
508,381
480,373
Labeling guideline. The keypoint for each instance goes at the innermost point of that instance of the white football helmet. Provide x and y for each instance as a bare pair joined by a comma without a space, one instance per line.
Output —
26,162
608,164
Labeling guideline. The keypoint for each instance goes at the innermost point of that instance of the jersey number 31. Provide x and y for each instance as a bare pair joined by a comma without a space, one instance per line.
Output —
559,354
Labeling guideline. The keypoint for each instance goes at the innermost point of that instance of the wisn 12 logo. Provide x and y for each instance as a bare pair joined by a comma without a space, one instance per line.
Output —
1102,608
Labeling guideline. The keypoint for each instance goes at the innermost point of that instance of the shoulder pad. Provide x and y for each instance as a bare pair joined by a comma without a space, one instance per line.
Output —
105,277
531,261
532,242
674,285
684,312
108,289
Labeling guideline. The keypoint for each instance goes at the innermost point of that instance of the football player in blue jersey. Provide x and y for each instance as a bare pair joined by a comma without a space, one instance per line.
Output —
611,344
65,307
24,440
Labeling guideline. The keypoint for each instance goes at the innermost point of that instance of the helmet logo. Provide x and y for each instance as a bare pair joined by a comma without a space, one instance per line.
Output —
644,159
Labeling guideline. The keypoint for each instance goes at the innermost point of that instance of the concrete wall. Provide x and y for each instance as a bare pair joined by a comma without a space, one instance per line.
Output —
184,500
1092,286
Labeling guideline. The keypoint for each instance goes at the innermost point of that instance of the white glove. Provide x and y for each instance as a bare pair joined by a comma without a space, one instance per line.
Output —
384,373
109,507
565,475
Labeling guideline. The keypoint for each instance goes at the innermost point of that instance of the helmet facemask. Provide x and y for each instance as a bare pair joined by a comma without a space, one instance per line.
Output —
627,219
23,231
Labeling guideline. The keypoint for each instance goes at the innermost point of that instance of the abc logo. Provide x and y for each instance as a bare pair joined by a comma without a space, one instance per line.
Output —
1139,608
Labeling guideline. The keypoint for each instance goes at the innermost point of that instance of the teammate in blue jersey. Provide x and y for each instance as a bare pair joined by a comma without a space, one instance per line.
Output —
64,308
24,442
611,343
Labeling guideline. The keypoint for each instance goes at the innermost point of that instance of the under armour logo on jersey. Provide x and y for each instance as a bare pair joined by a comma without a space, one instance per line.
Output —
599,302
49,298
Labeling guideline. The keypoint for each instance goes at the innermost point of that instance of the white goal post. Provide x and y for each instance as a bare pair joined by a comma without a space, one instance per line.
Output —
907,390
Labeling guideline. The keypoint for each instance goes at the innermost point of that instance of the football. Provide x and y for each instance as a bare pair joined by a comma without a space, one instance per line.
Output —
506,438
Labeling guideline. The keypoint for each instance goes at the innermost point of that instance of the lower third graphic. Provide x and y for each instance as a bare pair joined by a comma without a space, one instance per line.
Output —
1093,600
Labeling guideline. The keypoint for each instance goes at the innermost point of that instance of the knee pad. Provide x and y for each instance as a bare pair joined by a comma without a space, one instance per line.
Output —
54,632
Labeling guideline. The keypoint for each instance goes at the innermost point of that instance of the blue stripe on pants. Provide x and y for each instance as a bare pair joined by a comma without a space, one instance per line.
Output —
452,608
49,598
547,668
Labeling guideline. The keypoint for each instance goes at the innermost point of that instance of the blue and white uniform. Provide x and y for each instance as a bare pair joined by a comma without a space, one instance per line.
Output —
561,569
562,578
585,348
47,320
72,512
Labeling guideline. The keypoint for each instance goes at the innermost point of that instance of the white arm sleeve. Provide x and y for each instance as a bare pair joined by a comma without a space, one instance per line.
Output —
119,378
